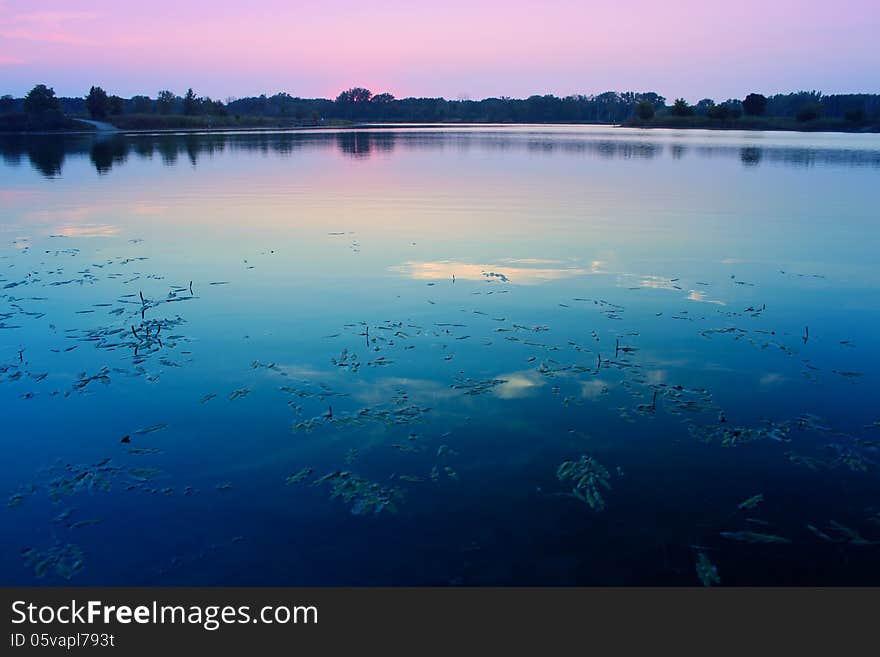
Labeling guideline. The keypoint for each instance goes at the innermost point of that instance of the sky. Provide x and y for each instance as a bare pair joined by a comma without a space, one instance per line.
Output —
455,49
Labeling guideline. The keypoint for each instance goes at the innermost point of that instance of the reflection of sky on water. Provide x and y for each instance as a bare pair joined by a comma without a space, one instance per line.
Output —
615,293
522,272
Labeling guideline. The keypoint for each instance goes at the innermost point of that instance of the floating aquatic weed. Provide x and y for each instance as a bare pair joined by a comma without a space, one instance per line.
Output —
590,478
16,499
298,477
364,495
304,393
151,429
813,464
754,537
648,409
237,394
403,447
102,376
143,474
79,524
851,536
402,412
706,570
751,502
848,374
268,366
848,458
97,476
811,422
348,360
475,386
735,436
62,560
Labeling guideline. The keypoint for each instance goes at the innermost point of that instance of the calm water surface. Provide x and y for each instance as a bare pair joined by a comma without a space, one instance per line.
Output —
366,357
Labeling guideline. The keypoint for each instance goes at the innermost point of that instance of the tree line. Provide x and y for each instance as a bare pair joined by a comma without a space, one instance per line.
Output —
360,104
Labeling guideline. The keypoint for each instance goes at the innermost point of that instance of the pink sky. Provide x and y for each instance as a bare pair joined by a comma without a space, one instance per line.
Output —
457,48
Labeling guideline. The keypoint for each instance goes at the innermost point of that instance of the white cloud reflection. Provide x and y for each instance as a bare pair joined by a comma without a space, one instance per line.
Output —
522,272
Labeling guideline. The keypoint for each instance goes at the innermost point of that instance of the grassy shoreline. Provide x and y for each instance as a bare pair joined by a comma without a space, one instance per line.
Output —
134,123
753,123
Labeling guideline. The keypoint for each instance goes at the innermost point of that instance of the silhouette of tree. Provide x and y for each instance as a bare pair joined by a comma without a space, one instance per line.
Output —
355,95
190,103
720,112
809,112
681,108
116,105
7,104
41,99
165,101
383,98
755,104
856,115
97,103
702,107
141,104
645,110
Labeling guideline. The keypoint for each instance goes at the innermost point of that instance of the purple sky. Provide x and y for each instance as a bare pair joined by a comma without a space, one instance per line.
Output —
473,48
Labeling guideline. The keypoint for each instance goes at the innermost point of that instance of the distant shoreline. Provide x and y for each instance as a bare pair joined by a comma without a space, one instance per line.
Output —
688,123
758,124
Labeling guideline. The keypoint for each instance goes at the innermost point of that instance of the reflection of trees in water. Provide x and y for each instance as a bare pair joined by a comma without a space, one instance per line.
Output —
750,155
364,144
47,153
107,152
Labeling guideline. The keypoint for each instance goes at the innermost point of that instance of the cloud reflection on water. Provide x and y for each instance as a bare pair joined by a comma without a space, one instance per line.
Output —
521,275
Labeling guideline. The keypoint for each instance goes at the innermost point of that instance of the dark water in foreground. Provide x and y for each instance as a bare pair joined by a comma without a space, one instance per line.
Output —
365,357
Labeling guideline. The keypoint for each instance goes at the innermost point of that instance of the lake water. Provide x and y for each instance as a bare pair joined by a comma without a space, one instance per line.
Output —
364,357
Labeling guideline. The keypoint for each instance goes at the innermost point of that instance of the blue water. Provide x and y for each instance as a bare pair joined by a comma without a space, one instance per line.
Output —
428,323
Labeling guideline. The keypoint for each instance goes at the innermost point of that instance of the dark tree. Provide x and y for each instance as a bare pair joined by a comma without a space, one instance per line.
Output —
97,103
755,104
213,107
383,98
190,103
681,108
645,110
165,101
41,99
856,115
116,105
355,95
809,112
141,104
7,104
704,106
720,112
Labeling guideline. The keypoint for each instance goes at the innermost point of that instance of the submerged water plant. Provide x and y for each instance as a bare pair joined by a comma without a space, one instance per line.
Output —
363,495
62,560
707,571
589,477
